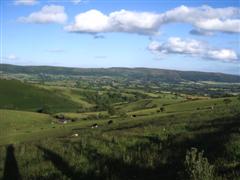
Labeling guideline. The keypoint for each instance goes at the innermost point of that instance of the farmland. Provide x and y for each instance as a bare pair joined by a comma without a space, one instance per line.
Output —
99,124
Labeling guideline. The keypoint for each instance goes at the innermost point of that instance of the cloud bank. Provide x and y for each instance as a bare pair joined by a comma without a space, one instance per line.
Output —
176,45
204,18
48,14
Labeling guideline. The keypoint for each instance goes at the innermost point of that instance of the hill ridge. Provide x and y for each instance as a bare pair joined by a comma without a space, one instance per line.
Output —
161,75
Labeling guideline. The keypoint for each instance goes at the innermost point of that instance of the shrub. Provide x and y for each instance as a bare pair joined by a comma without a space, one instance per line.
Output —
44,109
197,166
162,109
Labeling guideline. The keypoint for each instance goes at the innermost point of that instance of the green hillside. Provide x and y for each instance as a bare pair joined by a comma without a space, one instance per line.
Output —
143,74
21,96
17,125
139,148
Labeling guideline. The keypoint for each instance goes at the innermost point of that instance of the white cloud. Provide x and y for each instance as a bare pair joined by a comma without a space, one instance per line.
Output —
134,22
76,1
176,45
222,54
94,21
25,2
203,18
206,18
48,14
11,57
229,25
190,14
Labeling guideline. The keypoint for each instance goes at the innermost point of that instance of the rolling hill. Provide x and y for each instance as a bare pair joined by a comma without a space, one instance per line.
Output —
143,74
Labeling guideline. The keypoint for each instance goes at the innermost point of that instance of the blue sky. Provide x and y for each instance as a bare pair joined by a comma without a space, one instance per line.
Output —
183,35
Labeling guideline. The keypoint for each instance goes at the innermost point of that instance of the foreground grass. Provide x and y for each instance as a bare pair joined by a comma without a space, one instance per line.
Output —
152,147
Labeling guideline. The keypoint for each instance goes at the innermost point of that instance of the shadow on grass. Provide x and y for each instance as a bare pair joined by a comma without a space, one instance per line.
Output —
115,167
11,171
169,163
213,143
59,163
210,137
64,167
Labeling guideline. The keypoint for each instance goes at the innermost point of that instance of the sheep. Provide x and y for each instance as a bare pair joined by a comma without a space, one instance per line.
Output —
95,125
75,135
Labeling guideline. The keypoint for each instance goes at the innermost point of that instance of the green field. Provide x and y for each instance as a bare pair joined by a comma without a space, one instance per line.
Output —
20,96
141,133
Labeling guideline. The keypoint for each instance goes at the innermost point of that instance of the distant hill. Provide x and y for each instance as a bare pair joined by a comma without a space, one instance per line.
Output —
22,96
145,74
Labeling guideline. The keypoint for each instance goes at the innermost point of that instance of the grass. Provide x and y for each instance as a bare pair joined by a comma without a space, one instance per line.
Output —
18,125
152,146
148,103
70,93
22,126
21,96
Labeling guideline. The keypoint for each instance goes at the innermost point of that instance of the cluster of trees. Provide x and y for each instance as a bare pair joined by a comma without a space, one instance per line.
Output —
105,100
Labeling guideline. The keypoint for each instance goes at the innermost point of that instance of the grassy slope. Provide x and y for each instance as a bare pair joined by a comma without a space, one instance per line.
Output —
22,126
71,94
148,103
131,147
15,124
31,125
21,96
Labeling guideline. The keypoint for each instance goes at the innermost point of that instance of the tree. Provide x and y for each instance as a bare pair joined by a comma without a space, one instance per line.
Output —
197,166
44,109
162,109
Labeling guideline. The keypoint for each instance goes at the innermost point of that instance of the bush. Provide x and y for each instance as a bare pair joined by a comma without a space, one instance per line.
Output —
162,109
197,166
44,109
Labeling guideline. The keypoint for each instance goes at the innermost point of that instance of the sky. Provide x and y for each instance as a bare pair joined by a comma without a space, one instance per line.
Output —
184,35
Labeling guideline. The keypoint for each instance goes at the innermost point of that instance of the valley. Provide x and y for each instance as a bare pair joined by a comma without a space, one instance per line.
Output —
118,123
